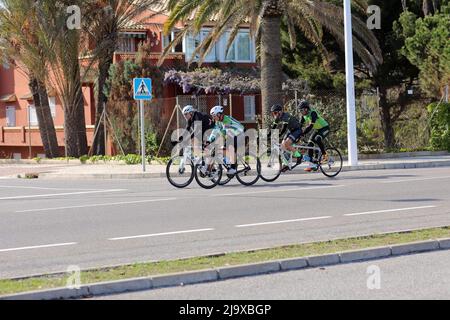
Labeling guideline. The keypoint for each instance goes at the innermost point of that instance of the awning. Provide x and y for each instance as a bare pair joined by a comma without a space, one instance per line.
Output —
51,92
8,98
138,35
28,96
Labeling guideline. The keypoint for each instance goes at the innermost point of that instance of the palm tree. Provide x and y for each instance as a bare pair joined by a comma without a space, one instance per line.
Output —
62,46
265,17
19,42
102,23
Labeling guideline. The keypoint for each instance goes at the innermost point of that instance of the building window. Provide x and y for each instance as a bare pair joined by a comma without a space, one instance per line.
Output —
243,47
10,116
127,44
192,42
169,38
241,50
32,115
249,108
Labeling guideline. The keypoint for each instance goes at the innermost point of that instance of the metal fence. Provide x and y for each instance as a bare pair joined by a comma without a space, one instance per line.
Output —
163,116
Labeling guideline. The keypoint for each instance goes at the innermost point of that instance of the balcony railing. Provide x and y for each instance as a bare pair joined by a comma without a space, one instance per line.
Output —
153,56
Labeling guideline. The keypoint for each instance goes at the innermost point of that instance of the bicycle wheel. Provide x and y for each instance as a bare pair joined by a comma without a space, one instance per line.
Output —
179,174
208,176
270,166
333,166
225,179
248,170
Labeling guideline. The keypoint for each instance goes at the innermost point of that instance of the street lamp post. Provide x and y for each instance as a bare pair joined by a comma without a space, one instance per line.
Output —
351,113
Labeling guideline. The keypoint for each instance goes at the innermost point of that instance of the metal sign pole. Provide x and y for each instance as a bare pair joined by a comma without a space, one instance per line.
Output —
141,110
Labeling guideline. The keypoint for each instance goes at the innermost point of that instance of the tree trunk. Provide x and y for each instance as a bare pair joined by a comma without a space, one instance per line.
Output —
44,117
74,119
386,121
98,145
271,55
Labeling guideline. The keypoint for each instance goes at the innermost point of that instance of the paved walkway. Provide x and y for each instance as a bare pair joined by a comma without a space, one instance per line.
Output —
121,171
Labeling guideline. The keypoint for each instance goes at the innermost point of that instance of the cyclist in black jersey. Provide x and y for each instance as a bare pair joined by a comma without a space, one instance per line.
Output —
291,129
192,116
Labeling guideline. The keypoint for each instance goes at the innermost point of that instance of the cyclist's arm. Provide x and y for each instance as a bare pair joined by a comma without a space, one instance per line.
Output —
215,133
314,118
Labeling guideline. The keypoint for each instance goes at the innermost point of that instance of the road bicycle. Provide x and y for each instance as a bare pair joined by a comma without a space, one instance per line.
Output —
272,162
210,172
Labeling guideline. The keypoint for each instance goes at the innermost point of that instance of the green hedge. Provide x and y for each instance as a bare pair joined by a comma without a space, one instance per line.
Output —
440,123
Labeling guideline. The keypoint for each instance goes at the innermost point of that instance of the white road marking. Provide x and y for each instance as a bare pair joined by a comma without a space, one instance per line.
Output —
42,188
161,234
270,191
40,247
418,179
62,194
95,205
389,210
281,221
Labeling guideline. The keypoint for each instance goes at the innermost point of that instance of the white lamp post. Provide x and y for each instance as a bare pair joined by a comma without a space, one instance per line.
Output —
351,113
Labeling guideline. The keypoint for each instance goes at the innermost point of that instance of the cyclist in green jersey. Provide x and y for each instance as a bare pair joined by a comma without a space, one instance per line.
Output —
229,128
320,128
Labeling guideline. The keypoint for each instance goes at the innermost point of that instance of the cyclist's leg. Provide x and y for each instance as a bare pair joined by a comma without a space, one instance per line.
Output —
311,143
231,142
290,139
321,135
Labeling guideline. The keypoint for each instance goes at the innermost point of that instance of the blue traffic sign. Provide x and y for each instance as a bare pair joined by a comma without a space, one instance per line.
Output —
142,88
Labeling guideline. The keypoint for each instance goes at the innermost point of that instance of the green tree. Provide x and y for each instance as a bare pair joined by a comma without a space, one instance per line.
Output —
427,46
265,18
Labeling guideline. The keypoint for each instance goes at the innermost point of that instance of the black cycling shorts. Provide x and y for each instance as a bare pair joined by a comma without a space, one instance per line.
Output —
295,135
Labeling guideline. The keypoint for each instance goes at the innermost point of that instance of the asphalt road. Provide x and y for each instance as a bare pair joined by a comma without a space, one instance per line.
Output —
421,276
49,225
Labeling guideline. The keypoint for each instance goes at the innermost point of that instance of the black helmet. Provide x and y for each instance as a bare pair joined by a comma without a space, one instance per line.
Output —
276,108
304,104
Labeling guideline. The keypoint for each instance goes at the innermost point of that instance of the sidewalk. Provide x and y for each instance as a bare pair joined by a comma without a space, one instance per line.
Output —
119,171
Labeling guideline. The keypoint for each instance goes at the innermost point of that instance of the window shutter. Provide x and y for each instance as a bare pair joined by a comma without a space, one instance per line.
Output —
10,116
52,103
33,116
249,108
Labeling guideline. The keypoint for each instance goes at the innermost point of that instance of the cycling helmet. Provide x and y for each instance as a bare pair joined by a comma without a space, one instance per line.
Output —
276,108
216,110
188,109
304,104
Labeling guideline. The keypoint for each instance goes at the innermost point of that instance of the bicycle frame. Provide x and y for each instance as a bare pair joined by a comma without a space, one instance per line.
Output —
278,148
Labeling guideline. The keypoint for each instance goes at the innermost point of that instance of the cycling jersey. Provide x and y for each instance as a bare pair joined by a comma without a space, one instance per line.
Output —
288,122
207,122
315,119
228,126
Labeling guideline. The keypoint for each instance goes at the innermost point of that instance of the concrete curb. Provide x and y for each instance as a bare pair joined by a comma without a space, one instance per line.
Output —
202,276
380,166
361,156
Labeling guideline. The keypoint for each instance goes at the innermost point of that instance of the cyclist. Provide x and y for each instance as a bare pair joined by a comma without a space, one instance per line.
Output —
290,126
192,116
320,128
229,128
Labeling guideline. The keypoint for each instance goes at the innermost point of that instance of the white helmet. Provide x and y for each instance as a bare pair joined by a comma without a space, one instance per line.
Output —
216,110
188,109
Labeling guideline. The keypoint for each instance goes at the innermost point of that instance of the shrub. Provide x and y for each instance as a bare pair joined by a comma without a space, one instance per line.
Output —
439,123
84,158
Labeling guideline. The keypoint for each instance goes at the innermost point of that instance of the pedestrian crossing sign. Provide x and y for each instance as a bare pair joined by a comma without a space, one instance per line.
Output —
142,88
